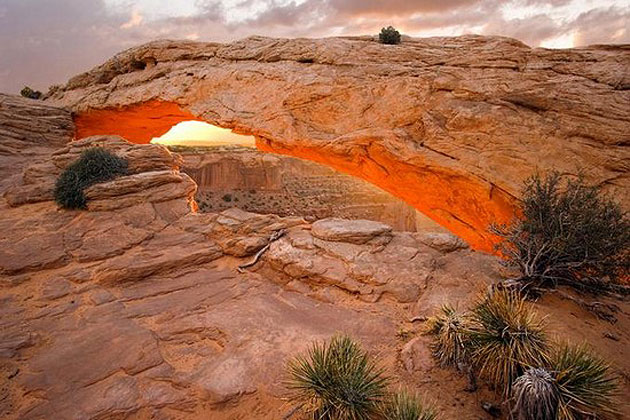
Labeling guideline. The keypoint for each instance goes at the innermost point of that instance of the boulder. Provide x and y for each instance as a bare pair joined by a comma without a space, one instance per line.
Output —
351,231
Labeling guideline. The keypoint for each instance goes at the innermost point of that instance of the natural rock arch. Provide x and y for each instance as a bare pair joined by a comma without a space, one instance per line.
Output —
451,125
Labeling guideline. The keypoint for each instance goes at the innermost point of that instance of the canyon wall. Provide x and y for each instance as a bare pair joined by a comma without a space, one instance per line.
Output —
450,125
264,183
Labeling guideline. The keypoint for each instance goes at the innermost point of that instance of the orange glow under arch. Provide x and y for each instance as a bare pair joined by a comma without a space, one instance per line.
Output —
463,204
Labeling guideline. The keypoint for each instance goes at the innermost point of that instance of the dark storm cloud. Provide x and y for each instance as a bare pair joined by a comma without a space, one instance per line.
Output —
47,41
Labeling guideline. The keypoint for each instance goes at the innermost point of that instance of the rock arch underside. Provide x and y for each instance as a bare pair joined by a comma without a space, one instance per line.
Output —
451,125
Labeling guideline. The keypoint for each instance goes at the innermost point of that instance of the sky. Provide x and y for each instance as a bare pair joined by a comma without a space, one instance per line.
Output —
45,42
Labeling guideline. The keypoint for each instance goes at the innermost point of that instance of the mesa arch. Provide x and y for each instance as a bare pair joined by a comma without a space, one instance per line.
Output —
451,125
425,188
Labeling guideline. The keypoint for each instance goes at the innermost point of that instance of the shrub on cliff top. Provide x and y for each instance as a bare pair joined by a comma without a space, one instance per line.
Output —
389,35
93,166
569,233
27,92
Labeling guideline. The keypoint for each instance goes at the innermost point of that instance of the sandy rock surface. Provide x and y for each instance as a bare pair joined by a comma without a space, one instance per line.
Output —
134,306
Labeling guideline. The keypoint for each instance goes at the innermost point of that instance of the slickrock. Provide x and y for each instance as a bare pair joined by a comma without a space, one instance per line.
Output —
451,125
153,171
135,308
28,129
351,231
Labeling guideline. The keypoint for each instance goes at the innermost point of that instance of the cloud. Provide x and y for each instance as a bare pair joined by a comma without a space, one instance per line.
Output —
47,42
135,20
602,26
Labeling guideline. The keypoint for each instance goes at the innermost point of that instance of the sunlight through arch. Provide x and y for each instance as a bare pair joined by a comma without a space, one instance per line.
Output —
199,133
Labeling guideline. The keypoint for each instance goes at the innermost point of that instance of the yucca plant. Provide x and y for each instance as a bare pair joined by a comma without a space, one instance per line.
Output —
535,395
451,343
585,382
337,381
406,406
507,338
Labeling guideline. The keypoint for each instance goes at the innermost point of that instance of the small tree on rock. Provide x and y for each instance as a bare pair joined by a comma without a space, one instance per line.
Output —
389,35
27,92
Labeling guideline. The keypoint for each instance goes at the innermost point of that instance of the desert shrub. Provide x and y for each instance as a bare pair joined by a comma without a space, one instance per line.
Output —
585,382
507,337
569,233
27,92
451,342
535,395
405,406
93,166
389,35
337,380
227,198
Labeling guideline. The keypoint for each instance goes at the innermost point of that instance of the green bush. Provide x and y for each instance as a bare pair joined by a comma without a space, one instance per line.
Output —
337,380
569,233
506,338
93,166
405,406
586,384
27,92
389,35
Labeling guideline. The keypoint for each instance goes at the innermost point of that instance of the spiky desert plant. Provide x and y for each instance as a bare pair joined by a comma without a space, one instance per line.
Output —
95,165
403,405
337,381
535,395
507,338
586,384
451,342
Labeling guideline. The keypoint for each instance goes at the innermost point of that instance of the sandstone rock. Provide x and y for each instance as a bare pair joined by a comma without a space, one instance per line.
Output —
451,125
416,355
28,129
352,231
38,179
443,242
145,187
133,312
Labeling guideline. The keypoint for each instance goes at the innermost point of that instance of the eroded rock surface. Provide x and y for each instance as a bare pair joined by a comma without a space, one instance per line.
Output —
135,309
29,128
451,125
